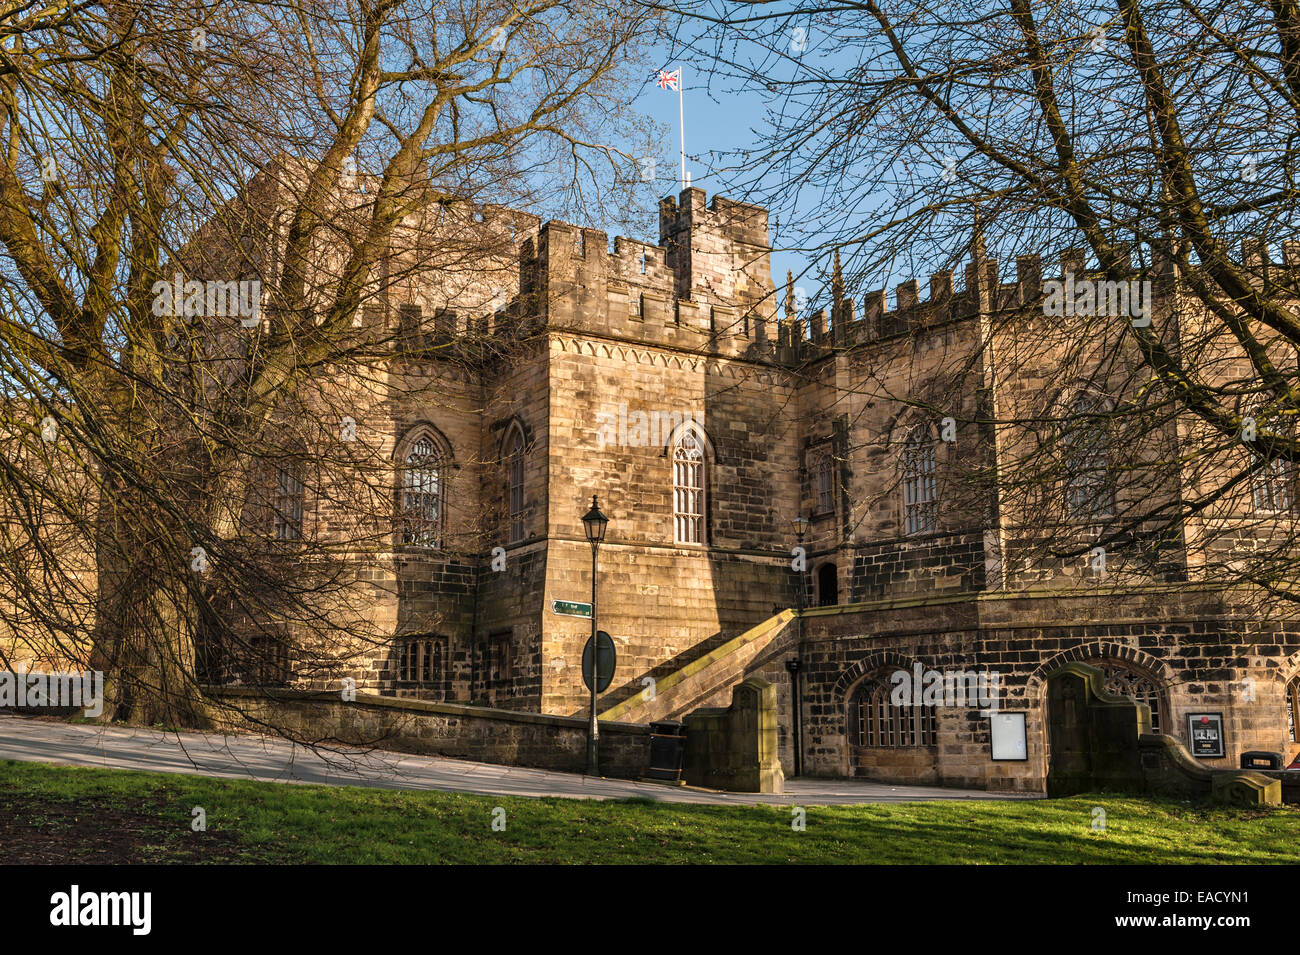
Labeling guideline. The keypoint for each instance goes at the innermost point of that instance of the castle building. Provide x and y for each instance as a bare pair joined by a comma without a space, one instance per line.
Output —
665,380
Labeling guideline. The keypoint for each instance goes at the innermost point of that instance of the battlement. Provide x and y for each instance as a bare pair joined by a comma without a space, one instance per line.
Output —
516,225
705,286
984,293
846,326
720,251
475,276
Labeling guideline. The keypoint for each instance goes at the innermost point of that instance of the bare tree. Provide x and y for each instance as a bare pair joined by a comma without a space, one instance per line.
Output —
205,213
1133,142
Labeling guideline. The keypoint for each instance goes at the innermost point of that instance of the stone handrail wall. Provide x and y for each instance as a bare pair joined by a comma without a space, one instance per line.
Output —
735,748
708,679
436,729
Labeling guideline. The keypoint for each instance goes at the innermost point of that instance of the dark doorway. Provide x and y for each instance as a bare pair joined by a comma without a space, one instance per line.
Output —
828,592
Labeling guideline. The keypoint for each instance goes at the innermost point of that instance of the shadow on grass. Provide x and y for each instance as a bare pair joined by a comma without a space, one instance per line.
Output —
147,815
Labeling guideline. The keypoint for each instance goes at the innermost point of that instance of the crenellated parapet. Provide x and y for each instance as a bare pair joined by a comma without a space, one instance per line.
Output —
706,286
1087,290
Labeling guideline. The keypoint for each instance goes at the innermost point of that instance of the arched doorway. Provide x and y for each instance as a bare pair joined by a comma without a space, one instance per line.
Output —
828,592
1136,682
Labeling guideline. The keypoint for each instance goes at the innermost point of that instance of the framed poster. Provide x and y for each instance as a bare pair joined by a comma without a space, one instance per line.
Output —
1007,736
1205,734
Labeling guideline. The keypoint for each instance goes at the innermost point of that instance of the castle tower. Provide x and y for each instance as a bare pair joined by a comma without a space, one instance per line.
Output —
719,252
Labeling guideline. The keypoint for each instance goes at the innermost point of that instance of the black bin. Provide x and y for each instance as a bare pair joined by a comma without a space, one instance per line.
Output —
1260,759
667,750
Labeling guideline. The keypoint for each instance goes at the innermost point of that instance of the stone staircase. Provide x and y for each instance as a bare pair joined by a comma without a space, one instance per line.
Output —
700,676
635,687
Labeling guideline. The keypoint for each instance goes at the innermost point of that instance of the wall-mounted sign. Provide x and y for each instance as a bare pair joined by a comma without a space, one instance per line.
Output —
1205,734
571,608
1007,736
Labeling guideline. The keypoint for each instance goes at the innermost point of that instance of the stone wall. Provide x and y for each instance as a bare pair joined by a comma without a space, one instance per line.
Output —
689,326
1163,632
1103,743
675,329
734,747
439,729
662,600
1200,645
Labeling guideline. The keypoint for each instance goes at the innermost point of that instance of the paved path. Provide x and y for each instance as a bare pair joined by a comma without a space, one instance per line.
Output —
271,759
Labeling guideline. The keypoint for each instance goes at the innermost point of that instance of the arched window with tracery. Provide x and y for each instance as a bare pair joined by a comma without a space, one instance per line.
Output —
287,504
1272,482
920,488
1137,683
689,489
422,493
824,482
515,482
876,723
1089,494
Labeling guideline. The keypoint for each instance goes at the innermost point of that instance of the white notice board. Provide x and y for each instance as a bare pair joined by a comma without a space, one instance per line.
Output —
1007,735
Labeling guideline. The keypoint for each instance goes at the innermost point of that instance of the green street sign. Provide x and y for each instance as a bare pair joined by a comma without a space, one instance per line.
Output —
571,608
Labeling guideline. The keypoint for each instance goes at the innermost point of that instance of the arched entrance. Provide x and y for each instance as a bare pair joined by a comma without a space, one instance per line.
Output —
1143,682
1124,678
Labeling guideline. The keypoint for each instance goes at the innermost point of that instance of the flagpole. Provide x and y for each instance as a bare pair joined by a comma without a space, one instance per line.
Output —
681,115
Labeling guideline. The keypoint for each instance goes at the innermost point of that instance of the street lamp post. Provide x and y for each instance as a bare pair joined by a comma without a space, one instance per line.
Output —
800,524
792,667
594,522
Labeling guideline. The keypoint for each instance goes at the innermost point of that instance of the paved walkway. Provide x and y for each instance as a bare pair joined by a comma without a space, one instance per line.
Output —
270,759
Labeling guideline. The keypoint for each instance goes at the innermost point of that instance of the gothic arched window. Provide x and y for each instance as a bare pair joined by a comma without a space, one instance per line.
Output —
920,489
824,483
515,482
422,494
688,489
1272,482
1089,495
1129,679
287,505
876,723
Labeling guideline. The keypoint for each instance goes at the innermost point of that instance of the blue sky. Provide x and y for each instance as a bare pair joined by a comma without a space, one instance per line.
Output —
716,122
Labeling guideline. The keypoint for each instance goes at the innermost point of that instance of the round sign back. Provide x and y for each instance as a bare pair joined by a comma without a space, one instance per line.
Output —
608,661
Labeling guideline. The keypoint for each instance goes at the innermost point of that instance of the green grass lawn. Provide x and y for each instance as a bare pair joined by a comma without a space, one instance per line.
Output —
60,814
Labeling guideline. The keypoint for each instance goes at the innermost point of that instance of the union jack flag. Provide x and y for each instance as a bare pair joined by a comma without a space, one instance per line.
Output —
667,80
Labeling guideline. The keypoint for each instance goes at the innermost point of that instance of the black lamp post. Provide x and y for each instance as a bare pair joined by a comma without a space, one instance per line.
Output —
800,524
595,523
792,666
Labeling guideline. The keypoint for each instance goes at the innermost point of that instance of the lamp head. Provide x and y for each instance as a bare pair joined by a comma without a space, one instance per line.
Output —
594,522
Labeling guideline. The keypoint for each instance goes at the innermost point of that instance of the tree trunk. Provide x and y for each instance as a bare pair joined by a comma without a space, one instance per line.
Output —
145,617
